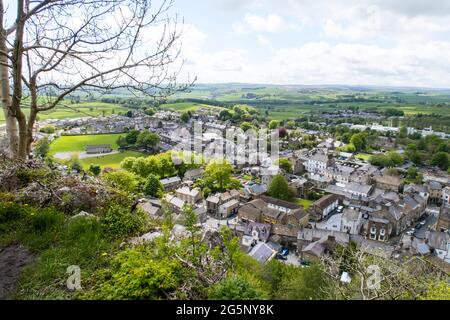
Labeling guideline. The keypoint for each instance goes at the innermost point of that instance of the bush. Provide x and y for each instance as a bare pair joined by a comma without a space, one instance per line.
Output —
235,288
95,169
120,222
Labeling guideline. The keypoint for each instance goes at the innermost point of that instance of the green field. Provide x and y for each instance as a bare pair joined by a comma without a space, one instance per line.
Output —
363,156
303,202
187,106
84,109
79,143
289,102
109,161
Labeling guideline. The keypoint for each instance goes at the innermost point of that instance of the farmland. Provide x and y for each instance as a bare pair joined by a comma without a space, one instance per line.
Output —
76,110
289,102
187,106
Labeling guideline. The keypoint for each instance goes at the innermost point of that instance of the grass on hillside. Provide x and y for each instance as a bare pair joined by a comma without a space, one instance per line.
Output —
79,143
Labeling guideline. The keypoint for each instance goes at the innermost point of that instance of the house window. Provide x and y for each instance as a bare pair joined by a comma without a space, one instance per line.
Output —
373,236
381,237
373,230
382,232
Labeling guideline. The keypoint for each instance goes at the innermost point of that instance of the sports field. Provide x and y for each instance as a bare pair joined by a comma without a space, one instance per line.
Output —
79,143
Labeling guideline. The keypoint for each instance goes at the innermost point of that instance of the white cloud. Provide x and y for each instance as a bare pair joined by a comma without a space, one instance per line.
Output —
262,40
373,42
271,23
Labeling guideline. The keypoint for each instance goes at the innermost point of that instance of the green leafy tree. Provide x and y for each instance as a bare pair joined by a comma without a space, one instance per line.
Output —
273,124
437,291
304,284
153,186
218,176
185,116
279,188
147,140
95,169
225,115
150,111
49,129
246,126
131,137
123,180
234,288
440,159
359,141
285,164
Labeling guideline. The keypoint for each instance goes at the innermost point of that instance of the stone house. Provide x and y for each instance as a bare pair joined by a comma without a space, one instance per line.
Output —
324,206
193,174
191,196
223,205
171,183
352,221
388,182
443,222
301,186
435,192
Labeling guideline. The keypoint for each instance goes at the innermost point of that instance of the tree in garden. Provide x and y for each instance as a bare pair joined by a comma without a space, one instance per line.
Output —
225,115
273,124
246,126
359,141
95,169
185,116
131,137
218,176
414,175
153,186
440,159
147,140
279,188
54,48
285,164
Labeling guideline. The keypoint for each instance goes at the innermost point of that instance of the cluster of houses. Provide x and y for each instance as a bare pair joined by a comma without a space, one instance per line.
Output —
350,200
359,203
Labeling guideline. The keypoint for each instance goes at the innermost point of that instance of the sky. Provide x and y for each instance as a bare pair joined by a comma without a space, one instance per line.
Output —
365,42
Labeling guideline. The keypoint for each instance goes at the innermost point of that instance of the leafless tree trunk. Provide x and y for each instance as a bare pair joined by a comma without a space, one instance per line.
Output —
11,123
56,48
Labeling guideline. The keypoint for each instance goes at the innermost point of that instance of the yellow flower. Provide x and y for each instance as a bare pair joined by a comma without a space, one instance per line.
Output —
104,254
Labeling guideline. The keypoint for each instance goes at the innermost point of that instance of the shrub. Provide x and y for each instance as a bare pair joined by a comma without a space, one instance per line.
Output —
235,288
120,222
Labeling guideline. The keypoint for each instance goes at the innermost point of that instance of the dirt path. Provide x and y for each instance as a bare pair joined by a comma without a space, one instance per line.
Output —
12,260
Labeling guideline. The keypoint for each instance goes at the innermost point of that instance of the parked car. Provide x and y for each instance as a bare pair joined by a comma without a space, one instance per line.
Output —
284,251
